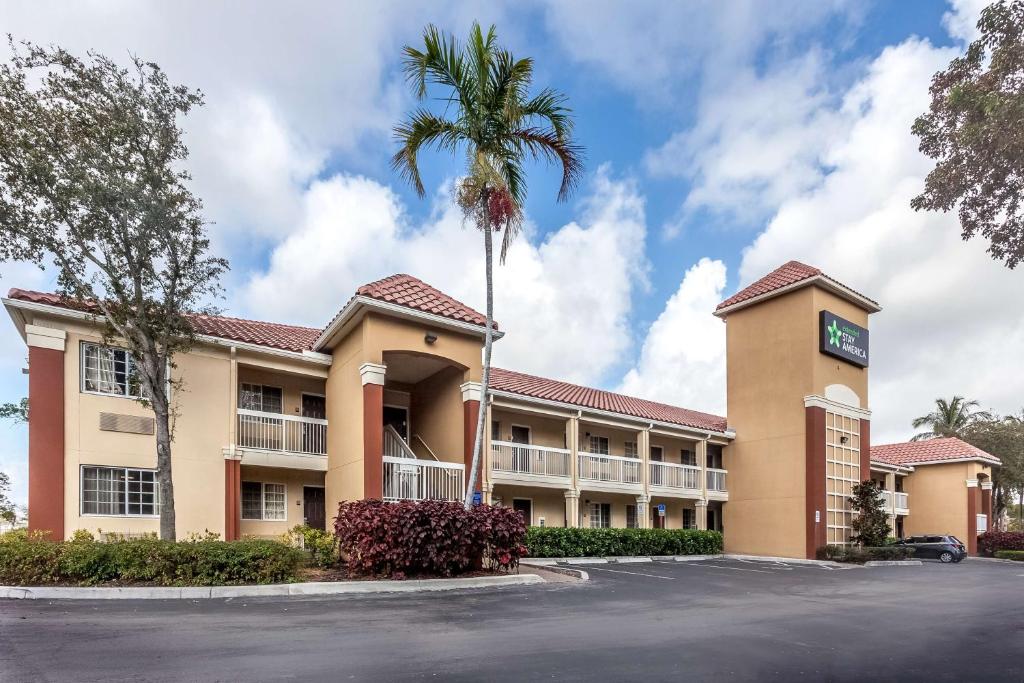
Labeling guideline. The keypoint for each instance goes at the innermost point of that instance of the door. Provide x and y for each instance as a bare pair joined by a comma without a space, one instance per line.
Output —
520,456
657,475
524,507
314,436
712,521
314,507
397,417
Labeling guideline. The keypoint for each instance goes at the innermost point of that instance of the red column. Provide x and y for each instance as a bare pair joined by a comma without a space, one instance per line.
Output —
865,450
986,504
373,440
46,441
973,505
470,416
232,499
816,508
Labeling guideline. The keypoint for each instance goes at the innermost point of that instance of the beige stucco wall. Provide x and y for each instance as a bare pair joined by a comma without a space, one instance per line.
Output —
344,478
671,447
544,431
294,481
773,362
437,414
673,510
618,502
938,498
617,437
547,503
292,386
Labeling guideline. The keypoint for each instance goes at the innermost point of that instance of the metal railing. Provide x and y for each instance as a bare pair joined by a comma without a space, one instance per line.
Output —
716,480
284,433
982,524
407,479
395,446
610,468
675,476
902,501
521,458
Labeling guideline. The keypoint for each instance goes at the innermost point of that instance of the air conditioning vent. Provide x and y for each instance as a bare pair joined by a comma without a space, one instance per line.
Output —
127,424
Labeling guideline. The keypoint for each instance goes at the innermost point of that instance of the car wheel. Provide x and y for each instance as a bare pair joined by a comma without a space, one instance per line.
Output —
945,557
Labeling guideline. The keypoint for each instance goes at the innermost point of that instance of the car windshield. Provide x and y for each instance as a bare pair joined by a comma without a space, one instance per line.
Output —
956,540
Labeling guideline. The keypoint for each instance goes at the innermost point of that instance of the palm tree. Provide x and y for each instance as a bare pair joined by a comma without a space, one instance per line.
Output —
950,418
488,115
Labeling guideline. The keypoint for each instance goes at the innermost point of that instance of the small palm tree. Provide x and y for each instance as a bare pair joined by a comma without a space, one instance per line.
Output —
488,116
950,418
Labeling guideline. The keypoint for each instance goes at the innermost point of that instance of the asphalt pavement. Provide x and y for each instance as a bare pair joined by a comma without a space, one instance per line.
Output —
709,620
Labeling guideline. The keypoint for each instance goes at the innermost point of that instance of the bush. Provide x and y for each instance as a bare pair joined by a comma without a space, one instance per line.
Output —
1017,555
427,537
28,561
991,541
562,542
321,546
861,554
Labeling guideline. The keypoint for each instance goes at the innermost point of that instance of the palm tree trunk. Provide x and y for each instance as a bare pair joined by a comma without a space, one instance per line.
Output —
478,440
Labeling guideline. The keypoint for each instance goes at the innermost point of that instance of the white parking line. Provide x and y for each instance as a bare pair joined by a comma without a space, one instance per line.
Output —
722,566
621,571
770,565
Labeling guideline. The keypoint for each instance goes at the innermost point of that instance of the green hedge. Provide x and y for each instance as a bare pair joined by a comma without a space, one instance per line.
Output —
860,555
561,542
1017,555
83,562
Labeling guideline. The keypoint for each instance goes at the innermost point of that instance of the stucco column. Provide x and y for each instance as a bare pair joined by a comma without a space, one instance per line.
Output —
973,505
572,508
46,430
865,452
986,503
572,442
372,376
232,495
643,451
702,463
471,394
644,510
890,487
701,507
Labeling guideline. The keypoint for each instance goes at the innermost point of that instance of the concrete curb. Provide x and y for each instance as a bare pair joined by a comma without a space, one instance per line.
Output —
553,561
279,590
576,573
893,563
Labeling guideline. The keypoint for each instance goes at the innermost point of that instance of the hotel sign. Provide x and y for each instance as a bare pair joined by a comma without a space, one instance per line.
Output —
842,339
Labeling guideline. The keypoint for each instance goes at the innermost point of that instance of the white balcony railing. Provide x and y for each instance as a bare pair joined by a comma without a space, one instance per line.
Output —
716,480
408,479
982,524
283,433
518,458
609,468
675,476
901,499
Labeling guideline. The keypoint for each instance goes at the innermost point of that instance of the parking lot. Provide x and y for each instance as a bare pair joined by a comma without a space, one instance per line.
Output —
714,619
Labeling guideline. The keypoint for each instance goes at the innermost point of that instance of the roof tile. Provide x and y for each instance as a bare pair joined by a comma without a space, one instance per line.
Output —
929,450
411,292
790,273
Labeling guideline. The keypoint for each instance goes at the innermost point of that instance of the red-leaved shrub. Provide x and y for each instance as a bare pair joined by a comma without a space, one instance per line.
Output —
991,541
439,538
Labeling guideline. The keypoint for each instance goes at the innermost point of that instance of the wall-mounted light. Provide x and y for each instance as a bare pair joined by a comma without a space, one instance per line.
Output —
430,338
844,439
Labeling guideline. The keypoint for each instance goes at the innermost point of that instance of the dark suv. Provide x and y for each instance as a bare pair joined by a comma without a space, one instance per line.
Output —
942,548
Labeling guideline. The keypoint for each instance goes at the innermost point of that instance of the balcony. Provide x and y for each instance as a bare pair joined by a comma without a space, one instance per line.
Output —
716,484
671,479
902,502
600,472
277,440
410,479
524,463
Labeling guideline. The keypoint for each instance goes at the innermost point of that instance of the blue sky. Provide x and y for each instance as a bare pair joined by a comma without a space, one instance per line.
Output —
722,139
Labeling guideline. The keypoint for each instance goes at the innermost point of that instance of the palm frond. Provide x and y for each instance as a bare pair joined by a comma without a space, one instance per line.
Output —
440,62
423,129
547,144
549,105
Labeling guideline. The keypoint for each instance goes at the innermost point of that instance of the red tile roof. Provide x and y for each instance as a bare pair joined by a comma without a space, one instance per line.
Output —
273,335
790,273
411,292
929,450
585,397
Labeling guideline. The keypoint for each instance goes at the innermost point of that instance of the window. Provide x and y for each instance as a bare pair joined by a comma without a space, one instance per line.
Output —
260,398
495,430
631,517
689,518
629,449
108,370
599,444
714,456
688,457
842,473
119,491
264,502
600,515
657,455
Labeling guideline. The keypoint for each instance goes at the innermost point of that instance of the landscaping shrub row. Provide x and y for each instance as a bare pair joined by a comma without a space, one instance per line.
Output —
562,542
438,538
860,555
991,541
33,561
1017,555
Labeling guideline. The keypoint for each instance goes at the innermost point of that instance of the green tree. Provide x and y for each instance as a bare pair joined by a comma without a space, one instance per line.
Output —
15,412
1003,437
871,524
950,418
7,511
91,181
487,115
972,131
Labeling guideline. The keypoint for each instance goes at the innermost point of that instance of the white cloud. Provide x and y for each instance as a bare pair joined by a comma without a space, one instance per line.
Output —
961,21
682,361
567,295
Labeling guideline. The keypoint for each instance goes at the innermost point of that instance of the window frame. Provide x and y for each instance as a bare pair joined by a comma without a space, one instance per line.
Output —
598,437
130,365
263,502
262,387
630,449
124,470
693,511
